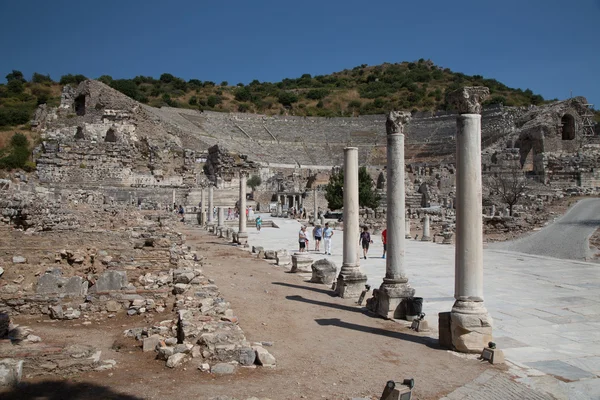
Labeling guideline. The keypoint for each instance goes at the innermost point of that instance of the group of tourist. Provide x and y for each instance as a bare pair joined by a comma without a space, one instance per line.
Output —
318,234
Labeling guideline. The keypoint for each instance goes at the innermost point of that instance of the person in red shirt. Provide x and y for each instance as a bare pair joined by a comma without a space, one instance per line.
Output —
384,240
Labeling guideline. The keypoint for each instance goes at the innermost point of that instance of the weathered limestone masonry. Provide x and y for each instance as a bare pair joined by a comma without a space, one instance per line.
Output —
395,287
471,325
351,281
99,138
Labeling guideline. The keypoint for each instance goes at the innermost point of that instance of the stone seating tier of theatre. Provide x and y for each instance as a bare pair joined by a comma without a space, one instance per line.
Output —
314,141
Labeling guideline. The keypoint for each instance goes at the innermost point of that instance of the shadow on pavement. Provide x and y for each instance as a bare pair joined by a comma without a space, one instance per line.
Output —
331,305
587,222
328,292
427,341
59,390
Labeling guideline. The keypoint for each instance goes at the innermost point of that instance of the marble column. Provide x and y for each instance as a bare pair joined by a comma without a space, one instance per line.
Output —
426,229
202,214
242,234
395,288
211,205
407,229
350,282
279,210
315,204
220,218
471,325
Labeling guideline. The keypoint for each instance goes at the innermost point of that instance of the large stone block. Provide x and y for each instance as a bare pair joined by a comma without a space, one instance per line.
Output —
301,263
111,280
54,283
323,271
11,371
471,327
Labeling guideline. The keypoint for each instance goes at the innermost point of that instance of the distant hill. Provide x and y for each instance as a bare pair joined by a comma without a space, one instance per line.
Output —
362,90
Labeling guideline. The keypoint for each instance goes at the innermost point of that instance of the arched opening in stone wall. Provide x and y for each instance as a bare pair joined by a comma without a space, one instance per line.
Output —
568,127
80,105
79,134
111,136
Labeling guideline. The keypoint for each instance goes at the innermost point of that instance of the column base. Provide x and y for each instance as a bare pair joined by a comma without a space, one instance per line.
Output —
210,226
220,231
426,239
350,283
242,238
407,236
388,300
470,326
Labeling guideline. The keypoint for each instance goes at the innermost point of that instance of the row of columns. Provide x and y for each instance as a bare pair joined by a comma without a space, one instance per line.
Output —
296,200
470,323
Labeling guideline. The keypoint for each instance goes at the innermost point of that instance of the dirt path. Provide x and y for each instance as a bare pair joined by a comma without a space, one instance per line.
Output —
326,347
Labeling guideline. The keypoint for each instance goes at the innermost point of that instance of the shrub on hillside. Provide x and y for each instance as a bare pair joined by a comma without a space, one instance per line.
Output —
287,98
18,153
70,79
39,78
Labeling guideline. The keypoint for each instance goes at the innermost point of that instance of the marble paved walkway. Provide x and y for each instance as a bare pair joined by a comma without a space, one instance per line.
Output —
546,311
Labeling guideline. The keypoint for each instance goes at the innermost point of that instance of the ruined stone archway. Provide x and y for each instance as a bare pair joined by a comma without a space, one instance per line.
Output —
111,136
79,134
568,127
79,104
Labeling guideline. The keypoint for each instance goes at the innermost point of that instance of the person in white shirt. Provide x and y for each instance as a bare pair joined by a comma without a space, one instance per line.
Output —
327,234
302,239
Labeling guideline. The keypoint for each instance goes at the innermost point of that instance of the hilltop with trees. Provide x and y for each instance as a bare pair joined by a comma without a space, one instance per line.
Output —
414,86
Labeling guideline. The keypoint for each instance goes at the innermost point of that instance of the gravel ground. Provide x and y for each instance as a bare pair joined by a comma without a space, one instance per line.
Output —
566,238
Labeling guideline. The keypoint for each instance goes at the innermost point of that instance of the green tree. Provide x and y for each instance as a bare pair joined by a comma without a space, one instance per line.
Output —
15,86
72,79
107,80
287,98
213,100
18,153
15,75
40,78
367,196
334,191
127,87
254,181
243,94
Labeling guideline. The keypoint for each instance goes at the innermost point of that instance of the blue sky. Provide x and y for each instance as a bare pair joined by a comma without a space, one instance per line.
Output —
549,46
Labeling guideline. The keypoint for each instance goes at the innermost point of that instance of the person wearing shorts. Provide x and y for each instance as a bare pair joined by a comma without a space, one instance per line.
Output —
302,239
317,235
365,240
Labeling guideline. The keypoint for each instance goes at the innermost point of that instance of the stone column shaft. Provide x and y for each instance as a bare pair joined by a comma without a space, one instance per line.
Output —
407,229
395,288
221,216
242,234
470,323
396,214
351,281
426,229
210,204
315,204
469,238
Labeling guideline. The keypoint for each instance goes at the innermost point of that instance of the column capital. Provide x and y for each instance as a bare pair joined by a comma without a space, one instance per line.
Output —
244,173
396,120
467,100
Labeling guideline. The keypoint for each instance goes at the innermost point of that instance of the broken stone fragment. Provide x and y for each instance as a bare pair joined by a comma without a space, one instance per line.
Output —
246,356
56,312
150,343
11,371
223,369
112,306
111,280
19,260
263,357
179,288
176,360
323,271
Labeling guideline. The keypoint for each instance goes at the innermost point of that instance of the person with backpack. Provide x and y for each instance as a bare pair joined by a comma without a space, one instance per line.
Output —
258,223
365,240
